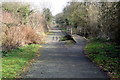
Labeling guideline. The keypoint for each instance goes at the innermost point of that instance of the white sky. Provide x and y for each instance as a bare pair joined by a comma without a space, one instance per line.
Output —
56,6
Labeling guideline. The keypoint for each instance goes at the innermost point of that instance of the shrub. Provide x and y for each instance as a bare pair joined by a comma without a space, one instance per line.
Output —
21,26
14,37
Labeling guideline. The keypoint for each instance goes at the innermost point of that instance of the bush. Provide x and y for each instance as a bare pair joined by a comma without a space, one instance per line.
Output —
14,37
14,32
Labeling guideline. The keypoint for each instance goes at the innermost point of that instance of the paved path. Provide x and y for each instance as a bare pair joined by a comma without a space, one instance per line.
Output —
59,60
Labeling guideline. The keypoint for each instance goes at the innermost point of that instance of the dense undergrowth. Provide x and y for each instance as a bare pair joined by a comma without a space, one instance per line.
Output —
106,55
14,61
21,25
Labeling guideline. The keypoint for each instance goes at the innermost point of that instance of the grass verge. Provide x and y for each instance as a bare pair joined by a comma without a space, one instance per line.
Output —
106,55
14,61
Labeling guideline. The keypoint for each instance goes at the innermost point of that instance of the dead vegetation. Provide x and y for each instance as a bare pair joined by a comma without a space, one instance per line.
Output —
21,26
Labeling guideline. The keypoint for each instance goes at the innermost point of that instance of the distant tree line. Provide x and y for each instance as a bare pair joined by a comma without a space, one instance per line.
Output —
92,19
48,16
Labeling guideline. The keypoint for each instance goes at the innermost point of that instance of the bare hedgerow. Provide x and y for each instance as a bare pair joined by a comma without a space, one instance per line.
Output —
21,26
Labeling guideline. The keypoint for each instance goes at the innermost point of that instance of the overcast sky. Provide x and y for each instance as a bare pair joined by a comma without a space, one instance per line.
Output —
56,6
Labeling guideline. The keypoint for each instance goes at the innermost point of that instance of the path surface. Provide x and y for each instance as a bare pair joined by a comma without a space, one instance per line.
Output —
59,60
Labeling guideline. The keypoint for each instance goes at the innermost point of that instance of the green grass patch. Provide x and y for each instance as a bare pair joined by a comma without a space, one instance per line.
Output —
15,60
68,40
63,39
106,55
63,29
